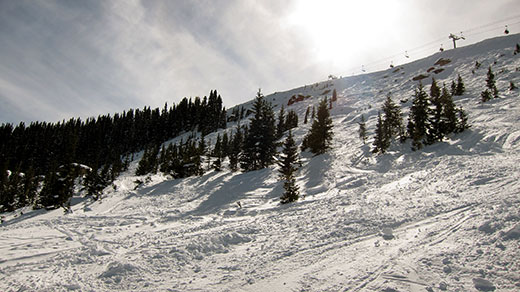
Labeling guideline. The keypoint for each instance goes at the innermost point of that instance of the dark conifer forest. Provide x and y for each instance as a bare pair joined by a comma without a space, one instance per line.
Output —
53,154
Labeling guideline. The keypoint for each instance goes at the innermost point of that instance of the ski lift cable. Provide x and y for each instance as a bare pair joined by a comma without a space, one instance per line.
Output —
491,29
413,51
367,67
481,32
493,23
427,47
435,43
416,51
400,54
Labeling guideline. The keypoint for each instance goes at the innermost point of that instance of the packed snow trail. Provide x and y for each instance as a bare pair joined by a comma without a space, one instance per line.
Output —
443,218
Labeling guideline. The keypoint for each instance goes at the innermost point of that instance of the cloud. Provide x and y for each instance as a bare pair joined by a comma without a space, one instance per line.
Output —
92,58
51,57
234,47
61,58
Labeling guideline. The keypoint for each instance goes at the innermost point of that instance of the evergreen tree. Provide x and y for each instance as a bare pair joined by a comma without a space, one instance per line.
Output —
4,197
126,163
444,118
104,140
171,160
381,141
190,159
202,146
449,115
393,120
46,197
94,184
66,177
178,161
31,184
362,130
313,114
280,127
485,95
418,118
117,167
491,91
217,154
334,95
462,121
57,188
306,115
453,87
319,138
143,166
11,191
149,163
174,162
236,146
289,160
223,118
491,83
259,143
197,154
105,172
460,88
225,145
435,91
291,121
242,112
17,191
162,157
435,116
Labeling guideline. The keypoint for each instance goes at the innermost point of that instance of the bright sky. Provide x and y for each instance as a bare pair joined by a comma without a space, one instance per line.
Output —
61,59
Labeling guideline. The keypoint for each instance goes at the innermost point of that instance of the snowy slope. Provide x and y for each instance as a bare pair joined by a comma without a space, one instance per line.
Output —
453,209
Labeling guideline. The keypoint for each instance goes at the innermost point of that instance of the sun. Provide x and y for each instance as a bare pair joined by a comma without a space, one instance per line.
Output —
337,31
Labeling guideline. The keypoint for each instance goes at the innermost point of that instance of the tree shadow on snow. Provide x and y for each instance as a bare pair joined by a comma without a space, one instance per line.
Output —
469,142
231,190
161,188
315,174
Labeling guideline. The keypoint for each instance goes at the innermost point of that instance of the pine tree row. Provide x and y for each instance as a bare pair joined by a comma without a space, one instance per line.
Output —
42,151
251,147
431,118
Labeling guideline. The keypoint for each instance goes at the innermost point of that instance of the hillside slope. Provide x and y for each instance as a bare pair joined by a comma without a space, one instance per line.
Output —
445,217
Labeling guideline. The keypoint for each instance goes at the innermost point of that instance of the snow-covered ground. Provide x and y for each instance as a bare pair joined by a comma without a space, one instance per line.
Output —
443,218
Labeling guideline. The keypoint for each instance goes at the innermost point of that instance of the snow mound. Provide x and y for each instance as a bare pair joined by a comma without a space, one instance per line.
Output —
489,227
221,243
483,284
514,233
118,269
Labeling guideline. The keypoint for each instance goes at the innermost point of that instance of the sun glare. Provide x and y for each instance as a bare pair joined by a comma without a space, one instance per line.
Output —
339,30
